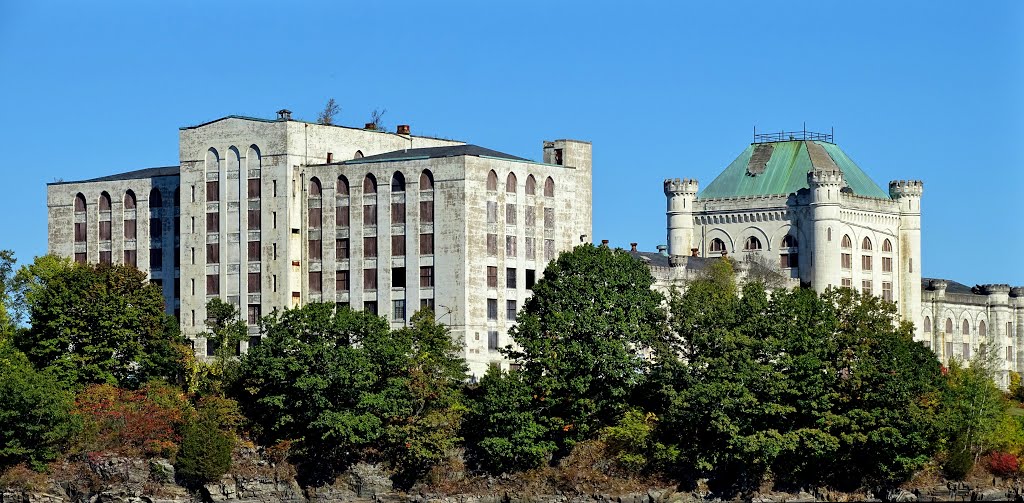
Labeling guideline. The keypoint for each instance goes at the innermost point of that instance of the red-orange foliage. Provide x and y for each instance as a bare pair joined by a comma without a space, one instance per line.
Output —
145,421
1003,464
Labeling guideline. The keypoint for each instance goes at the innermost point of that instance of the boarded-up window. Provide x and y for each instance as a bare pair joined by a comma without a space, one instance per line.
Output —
212,253
105,257
426,277
341,248
212,191
426,180
104,202
492,245
369,279
254,220
342,186
131,258
370,214
213,222
510,214
129,200
105,230
129,229
370,184
510,246
341,281
511,183
398,245
253,251
341,217
370,246
549,187
531,185
549,218
316,281
492,277
315,249
531,248
212,284
253,188
427,244
254,282
426,211
492,180
549,249
315,218
398,213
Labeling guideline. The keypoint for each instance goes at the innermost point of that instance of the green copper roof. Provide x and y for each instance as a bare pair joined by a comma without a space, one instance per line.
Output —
782,167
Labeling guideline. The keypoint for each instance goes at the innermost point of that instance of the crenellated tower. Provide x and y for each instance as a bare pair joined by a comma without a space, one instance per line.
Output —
824,185
907,193
681,196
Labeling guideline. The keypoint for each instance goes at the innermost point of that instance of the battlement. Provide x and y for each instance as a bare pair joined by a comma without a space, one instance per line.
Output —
995,288
905,188
1017,291
825,176
676,186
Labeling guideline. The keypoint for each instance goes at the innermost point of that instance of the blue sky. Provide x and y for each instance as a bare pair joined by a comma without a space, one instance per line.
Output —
928,90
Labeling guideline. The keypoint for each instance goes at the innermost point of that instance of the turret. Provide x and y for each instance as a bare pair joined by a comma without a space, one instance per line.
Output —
907,193
824,185
681,195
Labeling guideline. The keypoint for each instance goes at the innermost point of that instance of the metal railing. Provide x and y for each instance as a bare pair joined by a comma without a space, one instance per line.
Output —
793,136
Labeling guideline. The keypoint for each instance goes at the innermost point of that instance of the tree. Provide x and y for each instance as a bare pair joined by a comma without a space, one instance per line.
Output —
97,324
581,338
225,331
973,411
328,113
376,118
207,440
7,320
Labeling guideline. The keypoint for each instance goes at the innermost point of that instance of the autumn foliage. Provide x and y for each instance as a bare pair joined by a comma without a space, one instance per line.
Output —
132,422
1003,464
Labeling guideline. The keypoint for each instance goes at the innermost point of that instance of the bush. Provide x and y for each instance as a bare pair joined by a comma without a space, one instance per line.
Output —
207,442
1003,464
958,464
143,422
629,440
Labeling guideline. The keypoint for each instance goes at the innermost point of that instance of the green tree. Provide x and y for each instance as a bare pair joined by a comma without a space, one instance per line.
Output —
207,440
581,338
97,324
36,421
973,410
225,331
7,320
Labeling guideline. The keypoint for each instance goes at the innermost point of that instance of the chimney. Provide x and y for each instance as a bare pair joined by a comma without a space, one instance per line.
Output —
370,126
404,129
693,252
632,247
284,114
662,250
604,243
330,157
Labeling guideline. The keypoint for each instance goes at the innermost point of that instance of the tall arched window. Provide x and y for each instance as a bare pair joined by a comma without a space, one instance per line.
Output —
370,184
315,190
342,186
887,246
314,203
104,217
426,180
531,185
866,244
549,187
752,243
510,183
129,200
81,221
966,330
927,324
341,213
492,180
358,154
717,245
949,325
155,199
789,241
982,329
104,202
847,242
398,182
129,215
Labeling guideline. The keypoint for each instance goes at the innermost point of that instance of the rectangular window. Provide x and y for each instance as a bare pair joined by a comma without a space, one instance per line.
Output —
492,340
212,253
847,260
1009,353
426,244
492,212
426,211
510,214
531,216
370,214
156,228
316,281
510,246
865,262
492,309
530,279
212,191
341,248
398,245
886,264
212,284
253,251
426,276
129,229
156,259
397,213
213,222
398,310
492,245
254,318
370,306
81,232
254,188
492,277
549,250
369,279
847,282
341,216
549,218
788,260
1009,329
105,257
887,291
370,246
105,230
531,248
510,277
866,287
316,249
949,349
398,277
315,218
80,258
254,283
254,220
427,304
510,310
341,283
967,351
131,258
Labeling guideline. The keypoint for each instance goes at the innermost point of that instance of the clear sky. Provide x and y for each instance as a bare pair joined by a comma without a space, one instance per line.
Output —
926,90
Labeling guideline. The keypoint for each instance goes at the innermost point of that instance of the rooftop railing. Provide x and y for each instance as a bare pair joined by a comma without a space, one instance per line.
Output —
793,136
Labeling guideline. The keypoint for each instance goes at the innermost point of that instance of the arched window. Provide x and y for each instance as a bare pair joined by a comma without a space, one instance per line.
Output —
341,211
789,241
342,186
79,203
314,204
752,243
510,183
155,199
492,180
717,245
104,202
358,154
966,328
887,246
129,218
927,324
847,242
105,233
129,200
830,234
81,225
549,187
426,180
531,185
314,187
369,184
949,325
982,329
398,182
866,244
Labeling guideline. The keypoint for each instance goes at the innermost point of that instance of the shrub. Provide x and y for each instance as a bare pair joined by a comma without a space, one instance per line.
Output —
147,421
1003,464
958,464
207,442
629,440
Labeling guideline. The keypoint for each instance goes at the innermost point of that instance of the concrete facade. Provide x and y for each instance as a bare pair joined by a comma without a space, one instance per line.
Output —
271,214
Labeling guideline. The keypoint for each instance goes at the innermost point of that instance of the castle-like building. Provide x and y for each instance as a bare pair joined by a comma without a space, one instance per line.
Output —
271,214
798,204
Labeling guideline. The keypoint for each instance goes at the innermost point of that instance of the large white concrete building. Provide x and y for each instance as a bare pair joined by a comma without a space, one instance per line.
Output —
270,214
796,201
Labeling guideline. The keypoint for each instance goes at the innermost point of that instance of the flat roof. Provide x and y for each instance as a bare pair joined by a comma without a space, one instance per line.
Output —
130,175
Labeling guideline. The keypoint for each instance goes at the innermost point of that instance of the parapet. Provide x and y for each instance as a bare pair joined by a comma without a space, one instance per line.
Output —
938,285
995,288
905,188
686,186
825,176
1017,291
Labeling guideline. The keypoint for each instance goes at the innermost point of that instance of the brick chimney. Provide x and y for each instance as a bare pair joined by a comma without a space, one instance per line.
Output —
403,129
